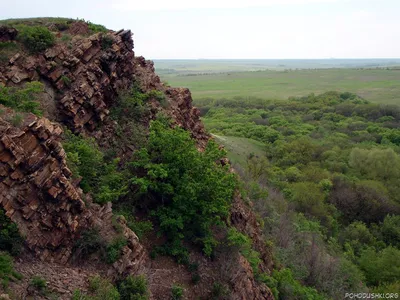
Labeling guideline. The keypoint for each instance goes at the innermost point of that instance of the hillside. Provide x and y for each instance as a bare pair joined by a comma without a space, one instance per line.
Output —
109,185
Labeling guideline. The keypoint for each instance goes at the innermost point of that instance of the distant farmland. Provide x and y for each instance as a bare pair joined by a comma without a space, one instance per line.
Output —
205,80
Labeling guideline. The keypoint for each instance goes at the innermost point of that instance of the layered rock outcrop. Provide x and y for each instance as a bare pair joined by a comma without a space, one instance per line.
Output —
180,100
35,187
85,74
38,193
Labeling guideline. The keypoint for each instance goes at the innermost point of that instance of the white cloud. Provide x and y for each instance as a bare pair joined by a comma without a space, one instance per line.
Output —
200,4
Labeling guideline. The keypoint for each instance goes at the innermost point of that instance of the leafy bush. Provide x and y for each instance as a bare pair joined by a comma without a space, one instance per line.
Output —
177,292
22,99
89,242
289,288
10,239
35,38
380,266
130,105
7,50
192,191
7,272
114,249
133,288
66,80
39,283
218,290
96,27
106,42
100,177
243,244
391,230
101,289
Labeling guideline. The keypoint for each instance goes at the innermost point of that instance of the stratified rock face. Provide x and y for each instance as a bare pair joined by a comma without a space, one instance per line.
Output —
38,194
244,219
245,286
180,108
35,187
86,75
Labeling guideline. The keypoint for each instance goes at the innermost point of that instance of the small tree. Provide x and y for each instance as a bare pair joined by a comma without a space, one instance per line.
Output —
36,38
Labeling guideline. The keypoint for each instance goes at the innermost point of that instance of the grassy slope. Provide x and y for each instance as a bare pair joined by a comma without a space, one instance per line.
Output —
238,148
375,85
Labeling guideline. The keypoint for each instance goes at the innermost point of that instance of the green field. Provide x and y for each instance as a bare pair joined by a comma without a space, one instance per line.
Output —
376,85
239,148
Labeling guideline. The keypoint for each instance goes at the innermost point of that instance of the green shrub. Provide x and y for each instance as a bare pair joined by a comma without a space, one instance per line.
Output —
114,249
10,239
134,288
99,177
380,266
130,105
193,191
96,27
7,50
391,230
17,120
243,244
35,38
89,243
7,272
106,42
66,80
22,99
159,96
177,292
140,228
290,288
218,290
39,283
196,278
102,289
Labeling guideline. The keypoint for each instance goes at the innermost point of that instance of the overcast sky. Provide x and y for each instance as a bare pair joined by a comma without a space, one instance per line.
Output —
238,28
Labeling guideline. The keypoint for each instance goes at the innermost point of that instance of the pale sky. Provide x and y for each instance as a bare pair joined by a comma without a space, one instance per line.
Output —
185,29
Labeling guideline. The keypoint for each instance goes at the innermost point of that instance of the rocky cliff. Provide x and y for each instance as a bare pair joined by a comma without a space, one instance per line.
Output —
83,79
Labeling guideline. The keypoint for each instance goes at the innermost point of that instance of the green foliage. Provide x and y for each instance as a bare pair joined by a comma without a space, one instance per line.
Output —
331,171
39,283
177,292
114,249
10,239
100,289
390,230
290,288
130,105
357,236
380,266
96,27
133,288
7,50
106,42
35,38
17,120
192,191
89,243
218,290
66,80
140,228
243,244
100,177
22,99
7,272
